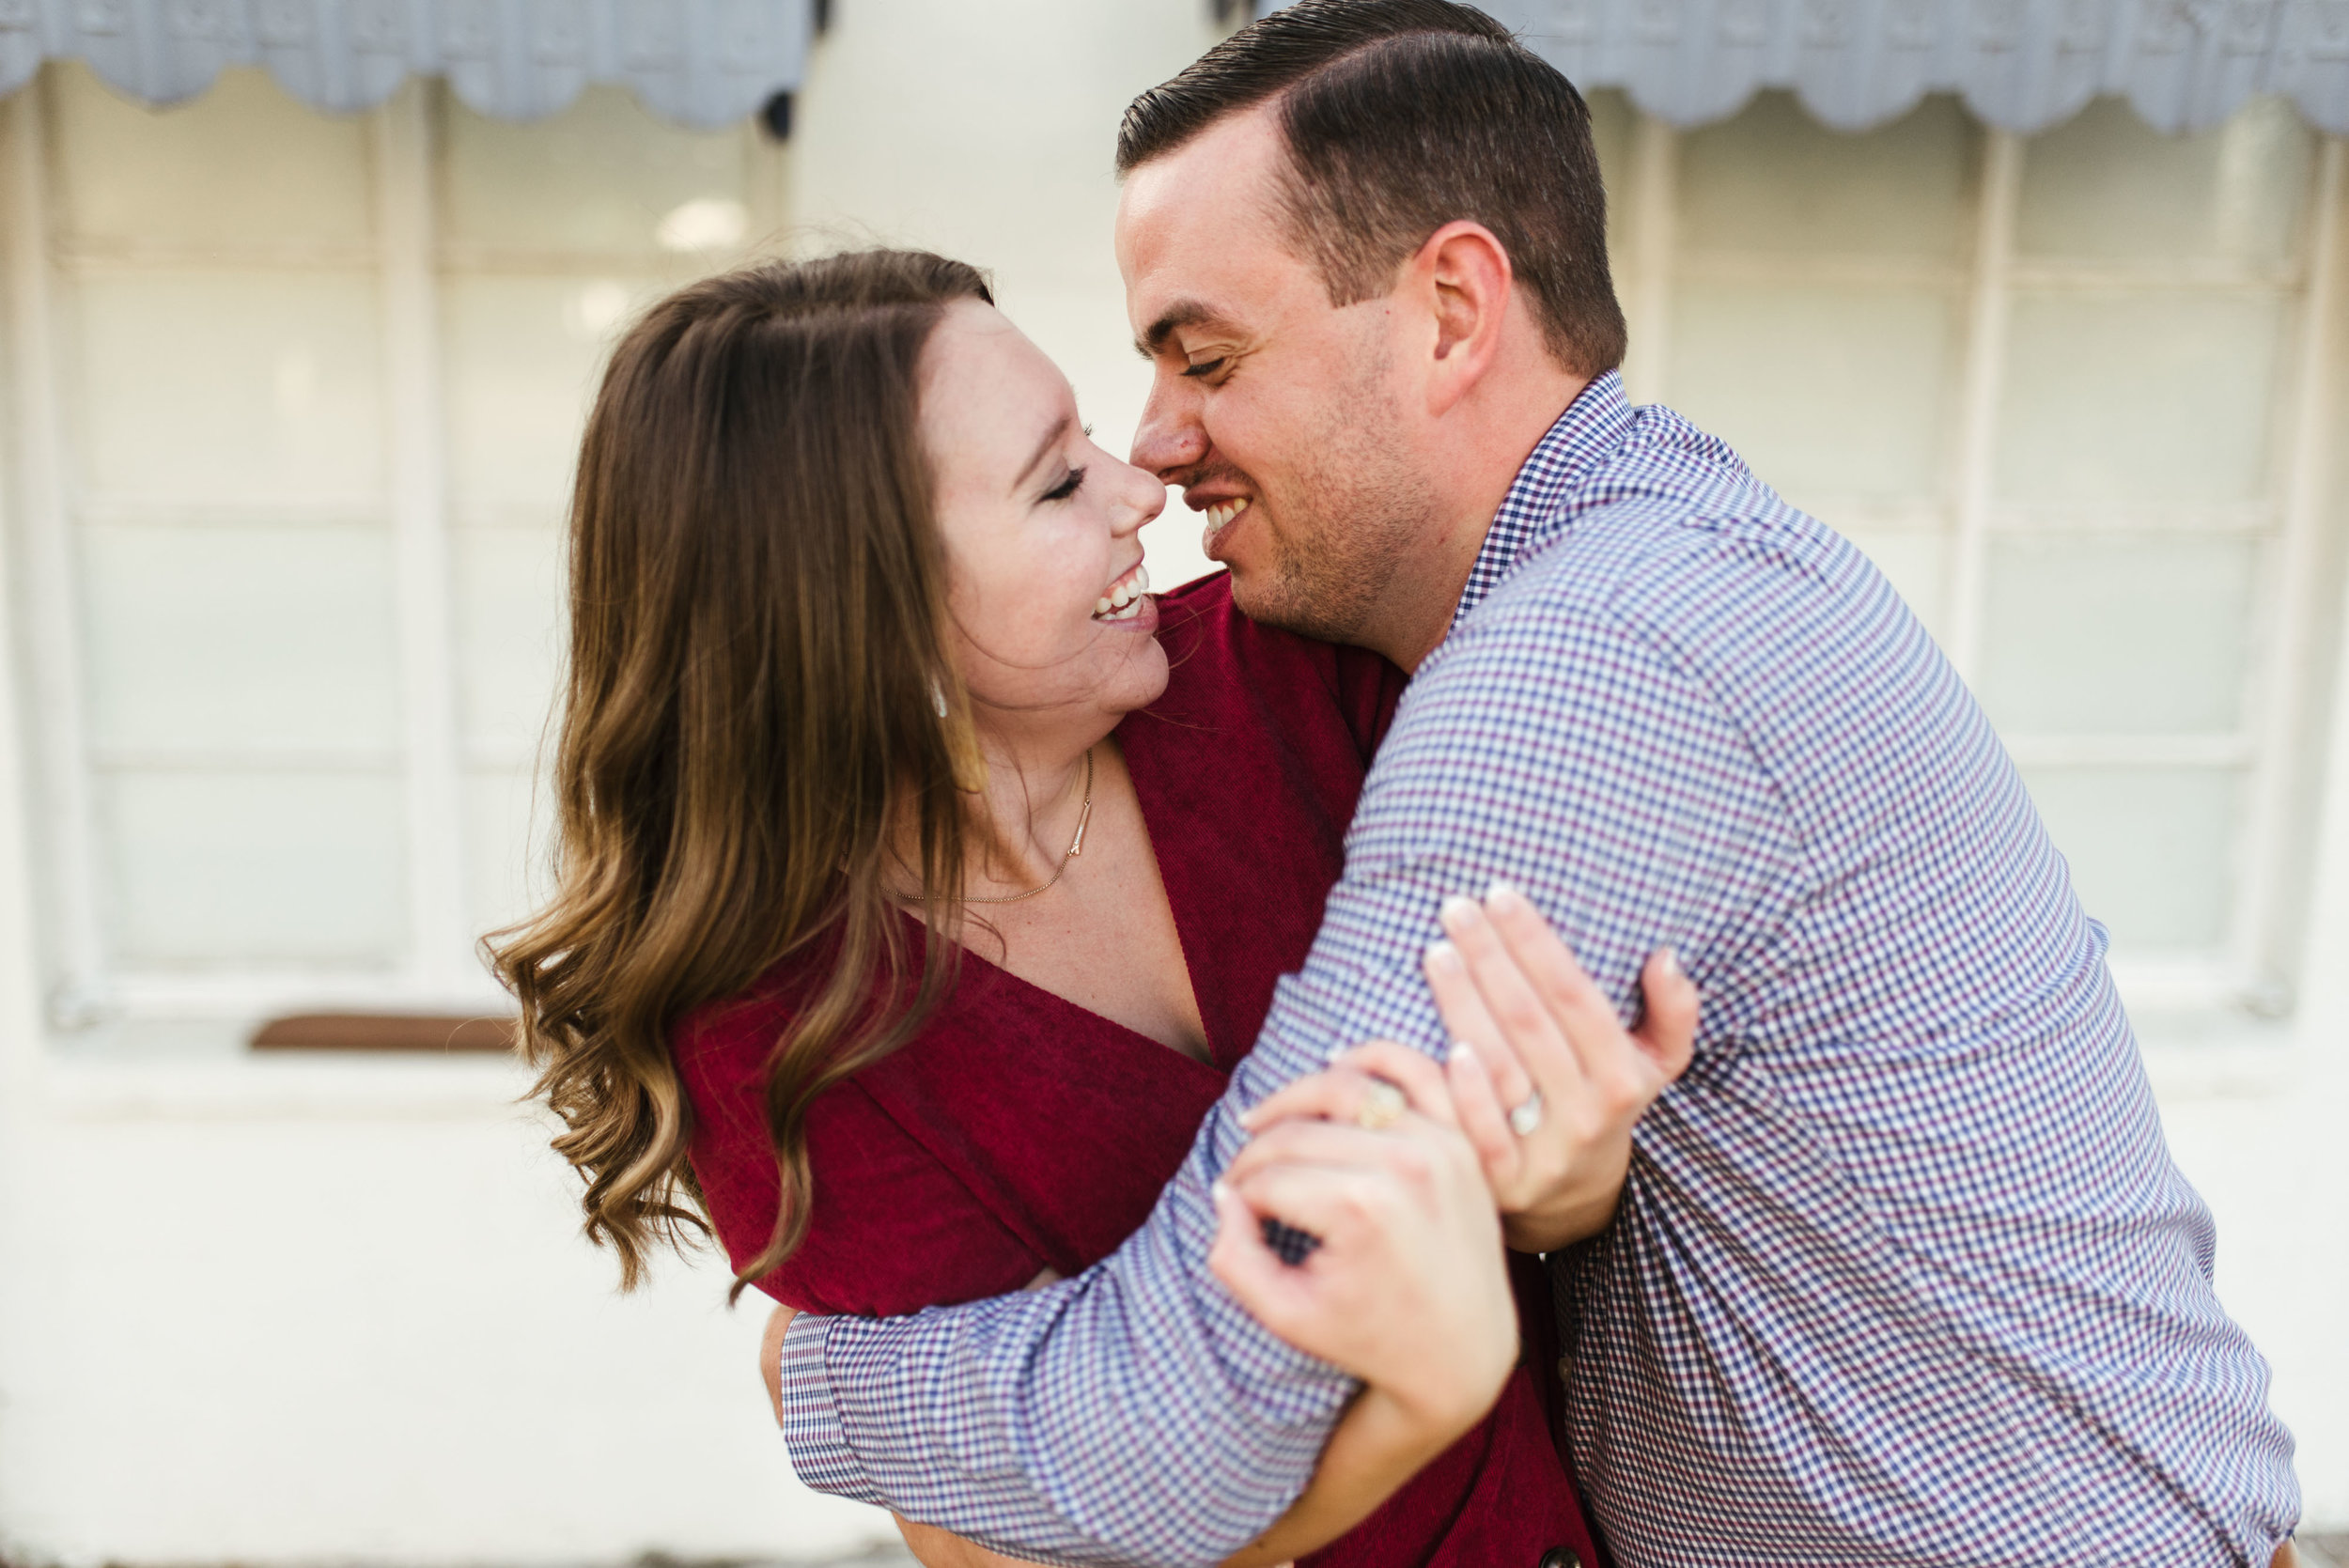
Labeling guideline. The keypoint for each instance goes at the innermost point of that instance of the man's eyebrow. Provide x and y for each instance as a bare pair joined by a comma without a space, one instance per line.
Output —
1044,448
1181,314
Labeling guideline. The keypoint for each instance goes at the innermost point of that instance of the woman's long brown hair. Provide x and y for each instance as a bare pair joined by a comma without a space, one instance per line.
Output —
752,717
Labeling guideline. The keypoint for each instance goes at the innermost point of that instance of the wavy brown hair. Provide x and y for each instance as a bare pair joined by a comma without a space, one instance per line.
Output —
751,721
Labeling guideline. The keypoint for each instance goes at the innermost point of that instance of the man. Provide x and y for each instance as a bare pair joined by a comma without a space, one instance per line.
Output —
1902,1271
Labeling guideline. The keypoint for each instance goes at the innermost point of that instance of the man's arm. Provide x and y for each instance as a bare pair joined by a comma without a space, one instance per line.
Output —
1135,1414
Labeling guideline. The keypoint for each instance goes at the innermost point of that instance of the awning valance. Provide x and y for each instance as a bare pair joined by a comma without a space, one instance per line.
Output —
699,63
2022,64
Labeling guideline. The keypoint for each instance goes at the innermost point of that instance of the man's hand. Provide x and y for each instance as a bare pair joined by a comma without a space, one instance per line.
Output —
771,1357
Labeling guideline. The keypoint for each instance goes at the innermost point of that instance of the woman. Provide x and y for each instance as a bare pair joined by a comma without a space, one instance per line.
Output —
924,876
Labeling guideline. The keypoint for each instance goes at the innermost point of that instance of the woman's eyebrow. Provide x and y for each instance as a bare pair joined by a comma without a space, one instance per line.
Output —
1044,448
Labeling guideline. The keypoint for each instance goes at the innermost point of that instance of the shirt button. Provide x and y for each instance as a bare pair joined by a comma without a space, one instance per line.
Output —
1561,1556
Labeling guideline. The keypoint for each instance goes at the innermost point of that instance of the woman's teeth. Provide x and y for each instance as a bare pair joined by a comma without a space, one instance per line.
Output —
1123,602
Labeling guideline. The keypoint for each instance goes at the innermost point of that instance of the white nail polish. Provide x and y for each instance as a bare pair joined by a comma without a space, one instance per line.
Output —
1501,893
1443,955
1668,964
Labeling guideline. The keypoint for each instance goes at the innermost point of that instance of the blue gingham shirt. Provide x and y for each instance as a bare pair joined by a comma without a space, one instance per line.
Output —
1903,1273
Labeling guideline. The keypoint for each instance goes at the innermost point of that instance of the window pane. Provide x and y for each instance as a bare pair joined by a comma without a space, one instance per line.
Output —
126,172
223,638
509,823
1827,392
2150,852
2162,397
223,387
2107,185
601,177
2118,636
523,357
1775,180
509,613
232,867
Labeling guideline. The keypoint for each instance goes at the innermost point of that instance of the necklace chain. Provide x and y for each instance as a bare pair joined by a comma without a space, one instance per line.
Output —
1075,848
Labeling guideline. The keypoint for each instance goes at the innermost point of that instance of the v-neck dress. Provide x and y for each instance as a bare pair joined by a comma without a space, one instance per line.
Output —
1021,1130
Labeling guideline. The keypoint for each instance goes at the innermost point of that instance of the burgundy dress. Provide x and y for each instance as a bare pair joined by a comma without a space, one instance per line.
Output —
1021,1130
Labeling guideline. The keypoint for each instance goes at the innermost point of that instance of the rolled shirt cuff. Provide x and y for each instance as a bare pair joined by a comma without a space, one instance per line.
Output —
811,1421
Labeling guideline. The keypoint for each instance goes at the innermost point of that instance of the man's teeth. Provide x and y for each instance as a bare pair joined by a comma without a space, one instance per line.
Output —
1219,515
1124,600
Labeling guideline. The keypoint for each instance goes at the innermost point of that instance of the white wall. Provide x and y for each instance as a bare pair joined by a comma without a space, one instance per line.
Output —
1005,158
271,1312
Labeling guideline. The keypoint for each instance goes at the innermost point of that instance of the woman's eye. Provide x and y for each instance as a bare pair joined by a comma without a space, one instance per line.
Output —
1205,367
1068,487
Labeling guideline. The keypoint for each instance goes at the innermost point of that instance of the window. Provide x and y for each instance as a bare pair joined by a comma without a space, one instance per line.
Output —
2065,391
297,441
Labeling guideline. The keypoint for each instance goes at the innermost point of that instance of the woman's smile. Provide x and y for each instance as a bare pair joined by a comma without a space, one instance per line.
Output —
1126,599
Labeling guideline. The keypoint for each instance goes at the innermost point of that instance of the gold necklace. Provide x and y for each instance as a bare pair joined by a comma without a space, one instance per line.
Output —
1075,848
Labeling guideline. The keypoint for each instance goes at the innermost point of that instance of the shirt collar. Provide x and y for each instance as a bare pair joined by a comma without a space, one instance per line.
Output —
1597,423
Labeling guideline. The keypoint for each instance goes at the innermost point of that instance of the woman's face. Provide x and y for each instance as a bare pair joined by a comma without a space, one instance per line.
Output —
1042,531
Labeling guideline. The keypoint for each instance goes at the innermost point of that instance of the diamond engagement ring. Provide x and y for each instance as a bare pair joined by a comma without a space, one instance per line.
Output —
1382,1108
1527,1117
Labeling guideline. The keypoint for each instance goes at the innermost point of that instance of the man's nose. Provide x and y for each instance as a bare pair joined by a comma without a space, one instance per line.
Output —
1170,439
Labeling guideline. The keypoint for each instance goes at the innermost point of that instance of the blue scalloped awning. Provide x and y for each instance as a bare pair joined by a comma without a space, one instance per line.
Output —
699,63
2023,65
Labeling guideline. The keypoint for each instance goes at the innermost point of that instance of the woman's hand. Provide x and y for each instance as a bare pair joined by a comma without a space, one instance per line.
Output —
1407,1289
1534,1035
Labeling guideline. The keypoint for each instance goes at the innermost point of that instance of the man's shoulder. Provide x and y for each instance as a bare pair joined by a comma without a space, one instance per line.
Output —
1670,554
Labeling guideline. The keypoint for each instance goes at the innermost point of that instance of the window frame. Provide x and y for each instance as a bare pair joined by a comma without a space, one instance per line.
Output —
408,260
2256,966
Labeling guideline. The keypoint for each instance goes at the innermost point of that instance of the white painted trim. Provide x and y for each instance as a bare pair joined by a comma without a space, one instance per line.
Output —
257,989
440,945
1985,362
1654,225
2278,698
65,807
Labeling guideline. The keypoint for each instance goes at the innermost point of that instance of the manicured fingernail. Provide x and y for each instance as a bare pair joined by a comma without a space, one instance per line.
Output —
1467,1053
1217,1190
1443,955
1458,912
1504,894
1668,964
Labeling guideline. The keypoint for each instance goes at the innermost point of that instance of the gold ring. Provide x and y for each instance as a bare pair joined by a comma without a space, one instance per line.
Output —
1382,1108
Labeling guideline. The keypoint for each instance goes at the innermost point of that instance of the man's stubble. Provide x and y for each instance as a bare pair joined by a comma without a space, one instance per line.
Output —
1360,510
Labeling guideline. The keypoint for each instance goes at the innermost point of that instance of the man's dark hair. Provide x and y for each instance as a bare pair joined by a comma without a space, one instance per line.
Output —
1401,117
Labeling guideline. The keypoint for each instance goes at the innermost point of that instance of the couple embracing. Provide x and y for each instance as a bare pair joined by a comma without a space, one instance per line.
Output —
1167,1050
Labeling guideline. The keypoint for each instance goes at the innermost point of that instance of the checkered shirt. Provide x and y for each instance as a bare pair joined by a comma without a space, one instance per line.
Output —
1903,1273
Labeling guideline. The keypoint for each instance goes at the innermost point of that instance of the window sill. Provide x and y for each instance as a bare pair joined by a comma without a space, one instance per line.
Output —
349,1085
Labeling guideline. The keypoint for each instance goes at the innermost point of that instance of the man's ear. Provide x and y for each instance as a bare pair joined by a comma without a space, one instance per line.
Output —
1463,274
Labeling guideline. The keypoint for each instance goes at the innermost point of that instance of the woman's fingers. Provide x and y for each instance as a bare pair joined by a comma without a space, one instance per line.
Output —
1251,1270
1486,1000
1668,1031
1308,1141
1547,966
1340,1094
1485,1121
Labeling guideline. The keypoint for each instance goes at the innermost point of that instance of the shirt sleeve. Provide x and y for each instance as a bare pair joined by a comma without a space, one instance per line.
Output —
1136,1414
